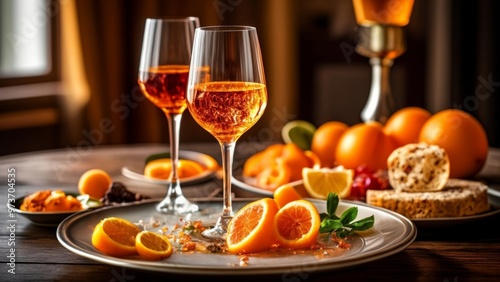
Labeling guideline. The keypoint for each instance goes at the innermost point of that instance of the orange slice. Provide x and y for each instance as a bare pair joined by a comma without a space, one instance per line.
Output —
257,162
115,236
251,228
285,194
95,183
160,168
273,176
153,246
320,182
297,224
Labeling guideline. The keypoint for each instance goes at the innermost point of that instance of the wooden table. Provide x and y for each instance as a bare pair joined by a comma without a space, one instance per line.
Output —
462,253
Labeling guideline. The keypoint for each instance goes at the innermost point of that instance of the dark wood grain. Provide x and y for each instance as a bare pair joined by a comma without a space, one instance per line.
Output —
468,252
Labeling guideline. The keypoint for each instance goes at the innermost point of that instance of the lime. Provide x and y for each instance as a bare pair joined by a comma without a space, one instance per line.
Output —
299,132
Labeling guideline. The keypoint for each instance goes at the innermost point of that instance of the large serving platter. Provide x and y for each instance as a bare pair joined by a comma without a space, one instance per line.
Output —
391,234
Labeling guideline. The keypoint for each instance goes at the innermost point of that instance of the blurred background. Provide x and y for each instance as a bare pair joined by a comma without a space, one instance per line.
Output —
68,68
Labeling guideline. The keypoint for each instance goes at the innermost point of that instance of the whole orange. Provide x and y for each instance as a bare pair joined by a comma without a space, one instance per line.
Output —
461,136
405,124
325,141
364,144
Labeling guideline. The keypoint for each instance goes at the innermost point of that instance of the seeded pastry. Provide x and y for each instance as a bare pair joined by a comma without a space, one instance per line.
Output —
418,167
458,198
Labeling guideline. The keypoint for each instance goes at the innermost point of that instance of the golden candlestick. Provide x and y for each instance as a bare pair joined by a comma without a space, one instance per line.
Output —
381,38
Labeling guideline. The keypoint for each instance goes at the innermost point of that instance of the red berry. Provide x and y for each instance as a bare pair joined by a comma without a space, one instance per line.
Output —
365,179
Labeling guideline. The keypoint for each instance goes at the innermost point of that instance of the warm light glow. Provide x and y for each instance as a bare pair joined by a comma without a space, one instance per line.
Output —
387,12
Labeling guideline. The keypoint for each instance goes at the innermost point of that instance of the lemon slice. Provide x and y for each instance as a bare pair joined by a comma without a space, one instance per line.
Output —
299,132
320,182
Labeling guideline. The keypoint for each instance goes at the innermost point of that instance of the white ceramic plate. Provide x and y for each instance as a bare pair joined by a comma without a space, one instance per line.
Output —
391,234
136,172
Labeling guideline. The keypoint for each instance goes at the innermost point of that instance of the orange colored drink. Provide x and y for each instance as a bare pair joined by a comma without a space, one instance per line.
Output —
388,12
166,86
227,109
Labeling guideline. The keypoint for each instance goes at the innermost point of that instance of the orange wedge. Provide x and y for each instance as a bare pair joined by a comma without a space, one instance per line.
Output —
115,236
251,228
297,224
153,246
285,194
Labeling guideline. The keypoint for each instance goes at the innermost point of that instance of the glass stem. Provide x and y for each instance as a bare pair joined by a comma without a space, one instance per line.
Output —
227,150
174,123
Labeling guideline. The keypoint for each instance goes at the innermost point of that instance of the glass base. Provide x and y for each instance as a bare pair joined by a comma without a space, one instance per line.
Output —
219,231
178,205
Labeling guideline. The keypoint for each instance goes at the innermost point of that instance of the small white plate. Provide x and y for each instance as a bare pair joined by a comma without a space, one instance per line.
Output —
136,172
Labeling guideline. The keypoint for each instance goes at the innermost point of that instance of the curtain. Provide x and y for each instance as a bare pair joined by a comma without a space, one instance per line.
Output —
111,37
476,63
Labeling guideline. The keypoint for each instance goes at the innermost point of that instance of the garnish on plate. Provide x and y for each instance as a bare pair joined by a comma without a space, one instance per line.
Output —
345,225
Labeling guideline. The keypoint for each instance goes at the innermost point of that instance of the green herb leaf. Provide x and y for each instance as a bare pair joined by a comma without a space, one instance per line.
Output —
329,225
332,202
363,224
345,225
349,215
323,216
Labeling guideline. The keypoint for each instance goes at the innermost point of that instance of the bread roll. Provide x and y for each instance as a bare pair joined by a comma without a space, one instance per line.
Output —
418,167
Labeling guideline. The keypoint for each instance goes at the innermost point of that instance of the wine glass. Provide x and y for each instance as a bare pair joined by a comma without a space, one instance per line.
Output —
226,96
163,76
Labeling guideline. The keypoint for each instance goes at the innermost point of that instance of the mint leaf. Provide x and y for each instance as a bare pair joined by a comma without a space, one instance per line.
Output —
363,224
332,202
349,215
344,225
329,225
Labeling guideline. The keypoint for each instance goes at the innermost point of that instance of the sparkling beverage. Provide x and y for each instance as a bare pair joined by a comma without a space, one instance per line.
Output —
228,109
166,86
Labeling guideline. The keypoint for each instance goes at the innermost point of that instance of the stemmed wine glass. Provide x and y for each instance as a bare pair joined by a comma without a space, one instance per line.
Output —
227,95
163,76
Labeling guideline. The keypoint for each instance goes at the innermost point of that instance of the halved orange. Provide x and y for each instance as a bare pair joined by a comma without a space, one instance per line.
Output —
285,194
251,228
297,224
153,246
115,236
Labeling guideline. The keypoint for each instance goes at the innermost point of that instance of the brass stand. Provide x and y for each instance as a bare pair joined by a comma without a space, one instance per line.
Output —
382,44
